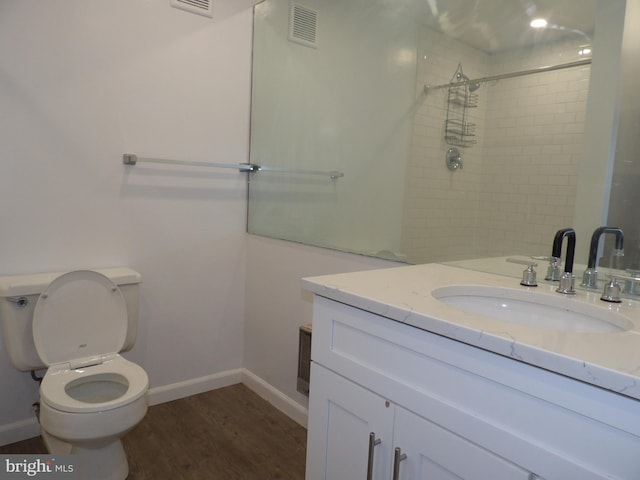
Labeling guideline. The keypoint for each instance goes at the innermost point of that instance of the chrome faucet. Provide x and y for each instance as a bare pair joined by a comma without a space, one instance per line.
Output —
567,280
590,276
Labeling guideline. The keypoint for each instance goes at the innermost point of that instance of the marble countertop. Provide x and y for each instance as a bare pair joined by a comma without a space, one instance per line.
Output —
608,360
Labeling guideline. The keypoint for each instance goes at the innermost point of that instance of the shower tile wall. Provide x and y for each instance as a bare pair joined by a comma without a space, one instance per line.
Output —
519,182
532,152
440,219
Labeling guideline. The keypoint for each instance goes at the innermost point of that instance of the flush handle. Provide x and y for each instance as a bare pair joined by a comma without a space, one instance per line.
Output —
20,301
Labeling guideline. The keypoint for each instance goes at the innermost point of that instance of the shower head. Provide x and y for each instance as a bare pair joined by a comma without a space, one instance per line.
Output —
473,86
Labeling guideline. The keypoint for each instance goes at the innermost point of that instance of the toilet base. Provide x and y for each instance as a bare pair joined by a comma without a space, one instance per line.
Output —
55,445
104,461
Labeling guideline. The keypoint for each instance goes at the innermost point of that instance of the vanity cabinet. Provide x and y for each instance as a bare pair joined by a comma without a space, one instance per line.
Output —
344,416
454,411
361,432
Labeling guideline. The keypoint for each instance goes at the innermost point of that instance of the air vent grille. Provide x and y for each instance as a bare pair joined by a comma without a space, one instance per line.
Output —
303,24
200,7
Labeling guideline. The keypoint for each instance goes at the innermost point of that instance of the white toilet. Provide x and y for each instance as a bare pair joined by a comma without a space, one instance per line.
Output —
75,324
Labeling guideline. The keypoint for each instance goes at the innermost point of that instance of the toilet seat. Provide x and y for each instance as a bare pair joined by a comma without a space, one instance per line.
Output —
79,326
79,317
53,389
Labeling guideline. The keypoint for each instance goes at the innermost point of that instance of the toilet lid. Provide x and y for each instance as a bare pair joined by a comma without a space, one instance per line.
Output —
79,315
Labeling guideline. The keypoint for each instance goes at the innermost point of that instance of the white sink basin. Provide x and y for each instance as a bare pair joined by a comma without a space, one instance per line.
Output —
556,312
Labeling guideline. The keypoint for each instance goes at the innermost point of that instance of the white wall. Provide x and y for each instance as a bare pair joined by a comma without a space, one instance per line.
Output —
276,306
81,83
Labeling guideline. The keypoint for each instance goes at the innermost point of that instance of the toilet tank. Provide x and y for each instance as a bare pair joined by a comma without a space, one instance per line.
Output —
18,297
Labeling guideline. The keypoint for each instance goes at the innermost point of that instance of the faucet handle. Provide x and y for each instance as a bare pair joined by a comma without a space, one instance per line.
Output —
567,284
632,284
553,271
529,274
590,279
612,290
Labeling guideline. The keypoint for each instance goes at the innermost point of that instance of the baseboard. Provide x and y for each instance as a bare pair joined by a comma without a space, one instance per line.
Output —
194,386
275,397
18,431
29,428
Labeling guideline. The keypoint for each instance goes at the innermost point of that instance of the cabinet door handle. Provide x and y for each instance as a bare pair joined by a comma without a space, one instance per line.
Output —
373,441
398,456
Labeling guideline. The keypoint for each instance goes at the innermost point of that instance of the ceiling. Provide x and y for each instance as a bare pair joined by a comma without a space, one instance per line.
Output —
497,25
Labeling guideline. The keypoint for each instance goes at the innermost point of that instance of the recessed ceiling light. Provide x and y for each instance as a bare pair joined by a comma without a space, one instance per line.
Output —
538,23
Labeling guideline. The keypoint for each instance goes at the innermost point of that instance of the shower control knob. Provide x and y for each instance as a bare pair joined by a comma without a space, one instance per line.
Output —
453,159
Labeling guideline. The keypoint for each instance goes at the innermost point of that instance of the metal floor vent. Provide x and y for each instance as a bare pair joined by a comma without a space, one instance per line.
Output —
303,24
199,7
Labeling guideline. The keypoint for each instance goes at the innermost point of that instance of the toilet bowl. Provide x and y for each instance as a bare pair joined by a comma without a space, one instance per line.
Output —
94,403
87,411
90,395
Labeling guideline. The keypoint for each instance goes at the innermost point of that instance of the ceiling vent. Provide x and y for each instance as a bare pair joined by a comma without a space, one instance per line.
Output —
302,25
200,7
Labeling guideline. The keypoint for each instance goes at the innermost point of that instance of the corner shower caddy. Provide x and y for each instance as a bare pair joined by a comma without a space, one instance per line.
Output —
458,130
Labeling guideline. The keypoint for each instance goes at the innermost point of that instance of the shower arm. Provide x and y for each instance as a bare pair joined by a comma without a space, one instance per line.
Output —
548,68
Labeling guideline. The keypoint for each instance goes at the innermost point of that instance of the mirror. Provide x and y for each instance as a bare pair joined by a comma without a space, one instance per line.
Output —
380,91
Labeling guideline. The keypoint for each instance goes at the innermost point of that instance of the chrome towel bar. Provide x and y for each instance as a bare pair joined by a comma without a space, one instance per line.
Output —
132,159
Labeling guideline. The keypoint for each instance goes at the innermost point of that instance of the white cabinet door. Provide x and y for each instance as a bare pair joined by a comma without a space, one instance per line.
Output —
341,417
433,453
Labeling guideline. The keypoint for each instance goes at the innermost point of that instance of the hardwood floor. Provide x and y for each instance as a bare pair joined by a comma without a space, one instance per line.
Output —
227,434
